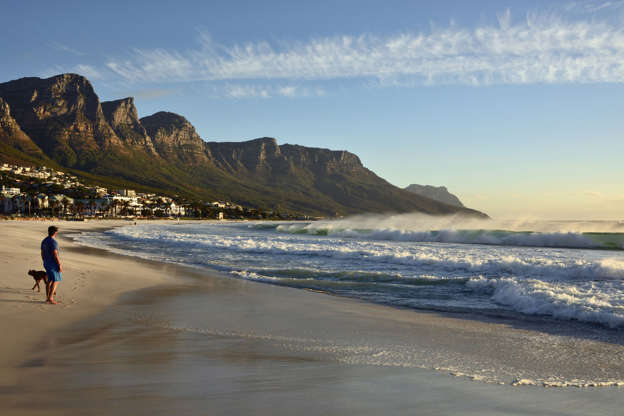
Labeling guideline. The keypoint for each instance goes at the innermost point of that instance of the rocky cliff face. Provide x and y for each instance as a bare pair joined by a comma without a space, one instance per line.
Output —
12,135
328,161
265,156
63,116
123,118
175,139
257,157
437,193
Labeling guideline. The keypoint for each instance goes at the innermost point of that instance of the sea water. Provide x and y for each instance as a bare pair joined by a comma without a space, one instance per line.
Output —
558,270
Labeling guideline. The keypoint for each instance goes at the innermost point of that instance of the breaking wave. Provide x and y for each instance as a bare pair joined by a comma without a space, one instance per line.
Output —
612,241
520,272
583,302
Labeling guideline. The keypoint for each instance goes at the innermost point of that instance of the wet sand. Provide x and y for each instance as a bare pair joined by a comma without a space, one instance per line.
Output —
141,337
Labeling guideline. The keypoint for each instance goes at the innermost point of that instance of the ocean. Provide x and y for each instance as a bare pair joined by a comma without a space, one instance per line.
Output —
559,270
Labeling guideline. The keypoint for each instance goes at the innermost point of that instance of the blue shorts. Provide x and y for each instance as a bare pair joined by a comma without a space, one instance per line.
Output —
54,275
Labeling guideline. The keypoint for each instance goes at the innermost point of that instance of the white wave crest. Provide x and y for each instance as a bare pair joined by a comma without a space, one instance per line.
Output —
583,302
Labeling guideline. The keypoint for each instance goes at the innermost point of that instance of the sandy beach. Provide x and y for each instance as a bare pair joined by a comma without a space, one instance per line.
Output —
132,336
92,283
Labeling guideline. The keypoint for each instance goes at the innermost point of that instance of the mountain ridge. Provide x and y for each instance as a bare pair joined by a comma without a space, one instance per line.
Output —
63,117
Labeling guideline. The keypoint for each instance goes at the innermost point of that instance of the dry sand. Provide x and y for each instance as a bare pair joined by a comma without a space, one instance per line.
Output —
90,284
140,337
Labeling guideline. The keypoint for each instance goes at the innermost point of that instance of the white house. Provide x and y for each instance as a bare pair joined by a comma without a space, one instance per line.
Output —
10,191
175,209
127,192
41,201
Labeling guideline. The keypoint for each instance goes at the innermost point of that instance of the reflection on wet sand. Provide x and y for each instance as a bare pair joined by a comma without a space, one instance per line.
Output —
235,347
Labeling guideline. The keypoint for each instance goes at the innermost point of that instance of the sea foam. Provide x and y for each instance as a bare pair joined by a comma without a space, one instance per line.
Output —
387,266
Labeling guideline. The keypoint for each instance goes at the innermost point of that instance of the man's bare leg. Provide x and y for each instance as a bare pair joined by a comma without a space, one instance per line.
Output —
52,292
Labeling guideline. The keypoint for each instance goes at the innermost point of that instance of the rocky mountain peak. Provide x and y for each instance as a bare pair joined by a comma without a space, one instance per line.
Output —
437,193
166,120
175,138
62,115
57,96
120,111
123,117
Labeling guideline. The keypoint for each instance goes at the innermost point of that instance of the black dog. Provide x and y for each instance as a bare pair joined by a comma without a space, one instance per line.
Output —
38,275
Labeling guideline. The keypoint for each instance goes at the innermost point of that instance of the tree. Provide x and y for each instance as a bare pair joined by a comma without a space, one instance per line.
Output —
29,202
91,205
80,208
125,207
54,204
114,203
104,208
65,203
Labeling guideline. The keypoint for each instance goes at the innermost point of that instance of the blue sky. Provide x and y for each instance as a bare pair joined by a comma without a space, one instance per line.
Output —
515,106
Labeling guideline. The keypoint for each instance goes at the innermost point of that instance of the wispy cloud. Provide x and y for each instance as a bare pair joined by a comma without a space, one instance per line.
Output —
147,94
609,196
86,70
588,6
64,48
536,49
268,91
593,194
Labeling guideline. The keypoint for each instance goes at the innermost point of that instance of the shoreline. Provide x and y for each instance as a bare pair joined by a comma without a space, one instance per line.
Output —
179,302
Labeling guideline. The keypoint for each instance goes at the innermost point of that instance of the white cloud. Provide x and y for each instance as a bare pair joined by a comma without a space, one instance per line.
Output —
64,48
535,50
288,91
588,6
268,91
87,71
147,94
246,91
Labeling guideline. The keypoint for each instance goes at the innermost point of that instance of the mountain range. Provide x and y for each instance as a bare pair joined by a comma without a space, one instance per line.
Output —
60,122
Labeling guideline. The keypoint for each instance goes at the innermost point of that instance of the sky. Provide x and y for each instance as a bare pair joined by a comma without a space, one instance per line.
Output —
515,106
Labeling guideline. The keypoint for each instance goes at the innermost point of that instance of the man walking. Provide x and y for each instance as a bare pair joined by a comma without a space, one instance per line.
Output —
51,263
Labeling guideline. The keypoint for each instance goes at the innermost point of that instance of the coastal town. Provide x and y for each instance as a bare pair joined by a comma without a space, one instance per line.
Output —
44,192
